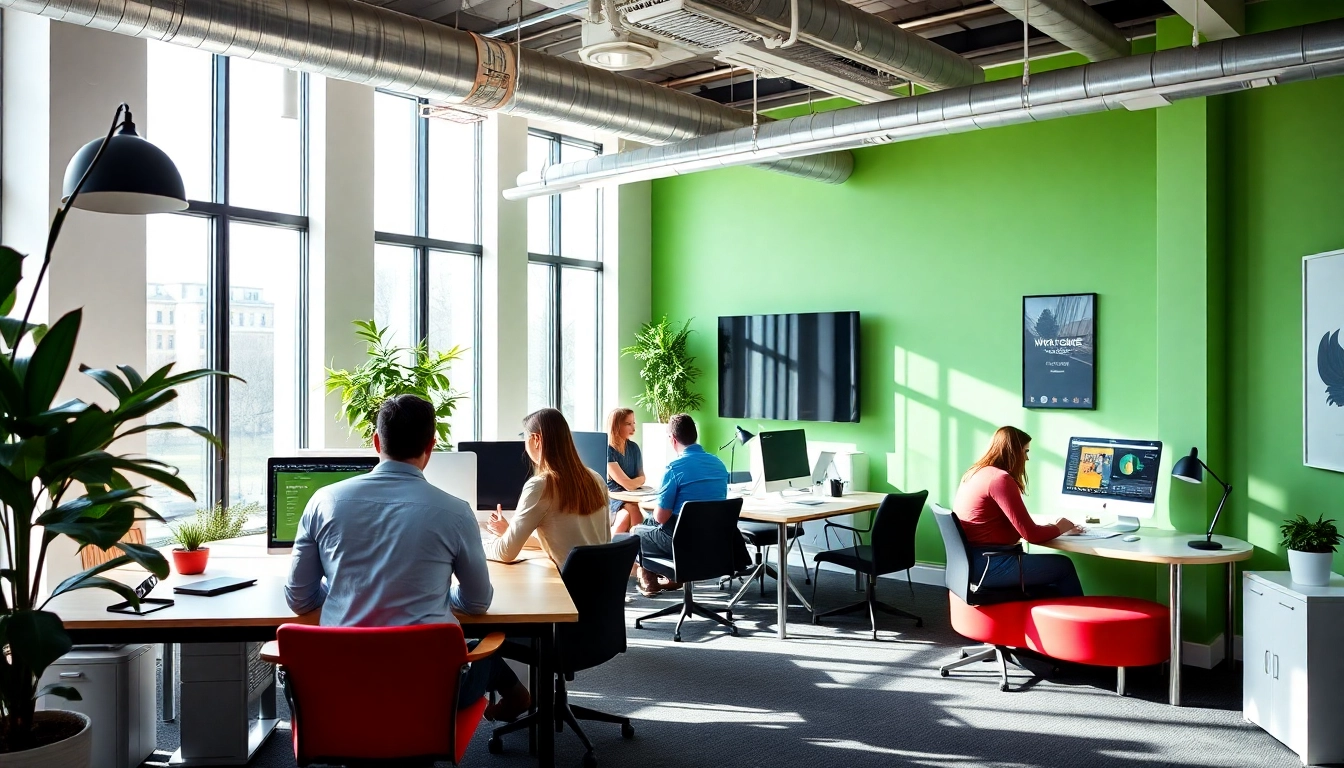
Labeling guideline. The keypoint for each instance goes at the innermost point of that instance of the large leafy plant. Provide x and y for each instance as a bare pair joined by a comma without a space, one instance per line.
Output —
58,478
1303,535
669,370
393,370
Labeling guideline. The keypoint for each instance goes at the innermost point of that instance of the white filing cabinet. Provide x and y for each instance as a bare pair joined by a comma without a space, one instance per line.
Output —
1293,683
118,688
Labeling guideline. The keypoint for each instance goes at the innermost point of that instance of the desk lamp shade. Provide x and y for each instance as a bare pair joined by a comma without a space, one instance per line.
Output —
1189,468
743,436
133,176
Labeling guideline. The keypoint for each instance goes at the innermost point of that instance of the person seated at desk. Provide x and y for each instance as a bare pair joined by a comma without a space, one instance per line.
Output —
990,507
564,502
625,469
693,476
388,545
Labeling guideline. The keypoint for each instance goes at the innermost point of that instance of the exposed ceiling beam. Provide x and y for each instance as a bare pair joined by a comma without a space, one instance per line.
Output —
1215,19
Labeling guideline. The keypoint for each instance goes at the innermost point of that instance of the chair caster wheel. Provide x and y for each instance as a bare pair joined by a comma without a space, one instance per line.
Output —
589,760
676,638
919,623
961,656
734,632
728,615
627,731
495,745
1003,687
944,672
638,626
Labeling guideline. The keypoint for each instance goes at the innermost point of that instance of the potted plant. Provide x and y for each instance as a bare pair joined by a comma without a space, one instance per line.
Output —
669,372
59,478
214,524
393,370
1311,547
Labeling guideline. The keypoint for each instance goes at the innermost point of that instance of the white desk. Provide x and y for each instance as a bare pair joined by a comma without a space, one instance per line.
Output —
1168,548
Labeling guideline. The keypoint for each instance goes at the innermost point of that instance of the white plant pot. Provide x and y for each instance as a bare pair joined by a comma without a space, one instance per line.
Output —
656,450
74,752
1311,569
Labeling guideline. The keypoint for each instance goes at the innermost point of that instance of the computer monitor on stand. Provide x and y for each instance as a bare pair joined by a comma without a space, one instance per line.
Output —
784,463
1112,477
293,481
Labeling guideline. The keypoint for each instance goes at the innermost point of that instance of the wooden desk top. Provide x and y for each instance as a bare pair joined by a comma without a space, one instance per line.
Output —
527,592
1156,545
786,510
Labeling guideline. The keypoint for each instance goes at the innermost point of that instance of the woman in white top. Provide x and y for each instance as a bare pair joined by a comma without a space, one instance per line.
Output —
564,502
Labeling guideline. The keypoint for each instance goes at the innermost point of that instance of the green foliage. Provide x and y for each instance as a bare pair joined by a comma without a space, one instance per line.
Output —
390,371
1303,535
668,372
214,524
58,478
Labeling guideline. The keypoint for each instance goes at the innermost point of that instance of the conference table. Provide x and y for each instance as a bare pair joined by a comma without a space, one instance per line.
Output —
529,600
1169,548
783,511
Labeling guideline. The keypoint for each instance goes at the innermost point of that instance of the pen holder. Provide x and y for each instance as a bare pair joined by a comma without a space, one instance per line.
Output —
837,487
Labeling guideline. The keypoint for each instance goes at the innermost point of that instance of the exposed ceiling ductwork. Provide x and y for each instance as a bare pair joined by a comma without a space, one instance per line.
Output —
1073,23
358,42
1135,82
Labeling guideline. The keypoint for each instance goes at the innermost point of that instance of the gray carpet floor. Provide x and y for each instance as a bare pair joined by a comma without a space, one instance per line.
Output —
830,696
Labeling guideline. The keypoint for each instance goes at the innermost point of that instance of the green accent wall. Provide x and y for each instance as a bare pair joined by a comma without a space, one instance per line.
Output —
1190,222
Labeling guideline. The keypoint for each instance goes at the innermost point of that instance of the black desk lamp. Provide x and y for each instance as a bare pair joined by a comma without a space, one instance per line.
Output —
740,437
1191,469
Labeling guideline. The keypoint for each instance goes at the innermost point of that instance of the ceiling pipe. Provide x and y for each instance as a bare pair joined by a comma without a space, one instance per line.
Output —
362,43
1073,23
1136,82
537,18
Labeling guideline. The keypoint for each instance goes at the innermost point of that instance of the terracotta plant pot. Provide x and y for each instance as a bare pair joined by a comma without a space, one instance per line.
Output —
189,562
73,752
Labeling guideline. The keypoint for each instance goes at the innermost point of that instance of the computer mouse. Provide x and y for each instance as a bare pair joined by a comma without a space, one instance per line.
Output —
1130,538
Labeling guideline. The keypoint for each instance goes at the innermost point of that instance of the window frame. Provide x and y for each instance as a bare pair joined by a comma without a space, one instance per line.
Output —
559,264
423,247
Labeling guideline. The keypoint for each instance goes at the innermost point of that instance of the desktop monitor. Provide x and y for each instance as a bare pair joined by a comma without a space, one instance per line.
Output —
784,462
1111,476
291,482
502,468
592,448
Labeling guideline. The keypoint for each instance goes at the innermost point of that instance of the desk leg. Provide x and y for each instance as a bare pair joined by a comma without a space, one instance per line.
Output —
545,699
169,682
782,581
1175,664
1228,647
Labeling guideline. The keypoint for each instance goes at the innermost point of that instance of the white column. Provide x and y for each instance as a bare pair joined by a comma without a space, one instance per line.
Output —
62,86
340,222
626,291
504,299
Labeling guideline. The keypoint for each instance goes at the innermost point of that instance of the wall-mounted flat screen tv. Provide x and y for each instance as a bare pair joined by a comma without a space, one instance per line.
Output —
799,367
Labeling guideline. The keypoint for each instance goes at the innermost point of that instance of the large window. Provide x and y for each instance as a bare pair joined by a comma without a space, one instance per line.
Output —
226,279
427,257
564,282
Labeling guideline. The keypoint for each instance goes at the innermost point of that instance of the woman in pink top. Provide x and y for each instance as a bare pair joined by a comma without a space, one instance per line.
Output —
990,508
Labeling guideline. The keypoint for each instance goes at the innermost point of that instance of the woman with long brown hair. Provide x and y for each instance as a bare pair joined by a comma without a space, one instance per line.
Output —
564,501
992,514
625,469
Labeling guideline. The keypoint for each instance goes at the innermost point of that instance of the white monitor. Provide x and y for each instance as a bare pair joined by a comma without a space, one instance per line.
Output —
452,472
780,460
1112,477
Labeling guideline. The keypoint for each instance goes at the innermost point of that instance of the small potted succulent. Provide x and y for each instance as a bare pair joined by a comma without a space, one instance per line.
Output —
214,524
1311,547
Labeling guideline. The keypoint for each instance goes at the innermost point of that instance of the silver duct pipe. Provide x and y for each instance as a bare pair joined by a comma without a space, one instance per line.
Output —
1073,23
362,43
844,30
1135,82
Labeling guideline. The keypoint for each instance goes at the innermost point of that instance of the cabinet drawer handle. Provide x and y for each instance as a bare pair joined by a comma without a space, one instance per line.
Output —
1252,591
1285,605
1266,661
72,675
1276,666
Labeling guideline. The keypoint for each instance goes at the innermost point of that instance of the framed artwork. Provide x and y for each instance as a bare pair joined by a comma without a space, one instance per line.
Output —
1059,351
1323,361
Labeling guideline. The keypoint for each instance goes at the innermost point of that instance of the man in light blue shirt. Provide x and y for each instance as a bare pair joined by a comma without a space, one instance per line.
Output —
382,549
693,476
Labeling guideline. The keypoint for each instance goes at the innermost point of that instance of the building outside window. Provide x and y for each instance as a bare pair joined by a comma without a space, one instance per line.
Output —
564,276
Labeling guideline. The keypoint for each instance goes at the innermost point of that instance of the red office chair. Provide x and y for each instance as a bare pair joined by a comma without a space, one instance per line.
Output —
350,704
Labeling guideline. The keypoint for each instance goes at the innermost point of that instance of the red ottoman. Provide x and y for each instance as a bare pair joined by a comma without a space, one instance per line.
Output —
1104,631
998,624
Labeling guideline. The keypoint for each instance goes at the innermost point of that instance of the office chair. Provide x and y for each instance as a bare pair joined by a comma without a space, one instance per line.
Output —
706,544
597,578
365,716
891,548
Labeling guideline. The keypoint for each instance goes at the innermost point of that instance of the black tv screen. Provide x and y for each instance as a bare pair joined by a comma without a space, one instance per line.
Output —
800,367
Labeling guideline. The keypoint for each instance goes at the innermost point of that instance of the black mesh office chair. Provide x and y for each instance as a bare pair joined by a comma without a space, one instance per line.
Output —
891,548
597,578
706,544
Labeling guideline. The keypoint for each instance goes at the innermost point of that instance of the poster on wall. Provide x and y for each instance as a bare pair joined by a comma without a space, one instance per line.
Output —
1323,361
1059,351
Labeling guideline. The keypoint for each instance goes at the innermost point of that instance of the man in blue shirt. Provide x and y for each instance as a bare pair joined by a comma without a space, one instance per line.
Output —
381,550
693,476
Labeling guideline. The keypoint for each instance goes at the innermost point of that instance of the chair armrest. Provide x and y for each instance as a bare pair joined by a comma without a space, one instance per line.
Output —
1013,550
830,524
270,652
488,645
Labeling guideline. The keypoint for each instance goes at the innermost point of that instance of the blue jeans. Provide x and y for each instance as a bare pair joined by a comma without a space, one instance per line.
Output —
1054,571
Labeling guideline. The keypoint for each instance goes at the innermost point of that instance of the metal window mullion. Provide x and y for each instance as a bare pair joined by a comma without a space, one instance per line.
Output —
421,269
479,259
555,200
557,350
218,288
301,421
